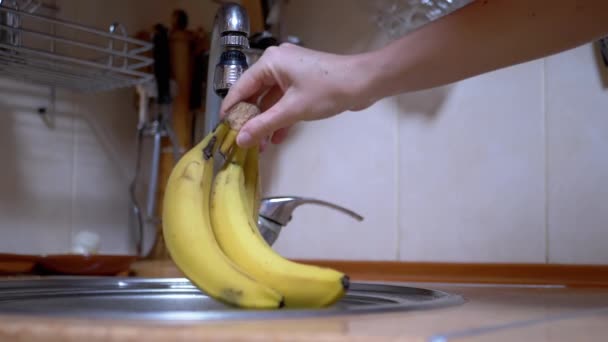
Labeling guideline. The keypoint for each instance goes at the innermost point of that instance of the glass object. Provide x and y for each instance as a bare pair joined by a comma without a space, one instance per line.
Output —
399,17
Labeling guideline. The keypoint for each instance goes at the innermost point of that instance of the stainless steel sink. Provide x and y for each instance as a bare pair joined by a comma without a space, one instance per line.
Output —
177,299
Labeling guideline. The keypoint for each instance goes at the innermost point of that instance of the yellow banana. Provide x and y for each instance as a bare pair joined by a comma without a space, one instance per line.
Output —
252,180
236,230
252,187
228,142
190,238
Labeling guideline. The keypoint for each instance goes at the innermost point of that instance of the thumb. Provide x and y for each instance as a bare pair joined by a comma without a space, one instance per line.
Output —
278,116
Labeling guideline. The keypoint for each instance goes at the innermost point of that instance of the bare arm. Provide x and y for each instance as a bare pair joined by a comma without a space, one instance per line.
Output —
484,36
297,84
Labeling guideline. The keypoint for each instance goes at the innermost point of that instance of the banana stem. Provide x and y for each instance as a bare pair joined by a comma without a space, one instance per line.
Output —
239,156
228,142
218,135
236,117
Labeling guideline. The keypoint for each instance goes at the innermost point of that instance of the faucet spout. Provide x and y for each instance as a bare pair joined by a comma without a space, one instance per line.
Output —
280,209
227,62
276,212
232,18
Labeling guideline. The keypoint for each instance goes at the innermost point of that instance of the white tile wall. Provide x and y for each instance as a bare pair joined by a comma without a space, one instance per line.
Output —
471,172
457,173
35,191
101,204
338,161
577,127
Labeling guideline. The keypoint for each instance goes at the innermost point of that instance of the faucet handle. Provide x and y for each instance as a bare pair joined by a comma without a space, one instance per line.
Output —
279,209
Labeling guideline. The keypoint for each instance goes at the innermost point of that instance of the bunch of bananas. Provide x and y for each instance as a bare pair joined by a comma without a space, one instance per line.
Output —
210,229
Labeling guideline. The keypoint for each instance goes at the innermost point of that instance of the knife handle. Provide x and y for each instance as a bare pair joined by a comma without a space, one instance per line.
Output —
162,63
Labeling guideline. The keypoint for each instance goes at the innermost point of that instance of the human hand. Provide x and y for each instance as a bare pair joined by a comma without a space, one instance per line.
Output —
291,83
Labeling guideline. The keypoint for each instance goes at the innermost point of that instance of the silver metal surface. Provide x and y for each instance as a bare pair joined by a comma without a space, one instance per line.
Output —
235,41
154,170
269,230
276,212
229,19
280,209
136,217
400,17
154,130
232,17
11,37
176,299
227,75
82,58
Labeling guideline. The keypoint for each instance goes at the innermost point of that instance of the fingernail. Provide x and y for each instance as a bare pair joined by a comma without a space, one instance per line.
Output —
243,139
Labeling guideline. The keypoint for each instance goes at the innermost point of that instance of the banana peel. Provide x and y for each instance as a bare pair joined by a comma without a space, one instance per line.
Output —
210,225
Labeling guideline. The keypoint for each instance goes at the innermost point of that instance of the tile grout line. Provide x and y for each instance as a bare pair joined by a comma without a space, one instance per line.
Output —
396,169
73,183
545,157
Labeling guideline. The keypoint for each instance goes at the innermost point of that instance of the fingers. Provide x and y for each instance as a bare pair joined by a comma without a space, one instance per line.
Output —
267,100
264,87
254,81
266,123
270,98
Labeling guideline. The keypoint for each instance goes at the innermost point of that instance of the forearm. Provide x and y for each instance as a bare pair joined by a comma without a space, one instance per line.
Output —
483,36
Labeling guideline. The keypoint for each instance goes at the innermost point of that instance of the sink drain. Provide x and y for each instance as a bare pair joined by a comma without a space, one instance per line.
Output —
177,299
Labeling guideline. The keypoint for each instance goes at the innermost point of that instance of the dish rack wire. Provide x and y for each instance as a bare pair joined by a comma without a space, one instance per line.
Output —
64,54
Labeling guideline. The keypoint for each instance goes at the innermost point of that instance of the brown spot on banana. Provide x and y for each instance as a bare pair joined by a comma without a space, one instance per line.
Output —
233,295
208,150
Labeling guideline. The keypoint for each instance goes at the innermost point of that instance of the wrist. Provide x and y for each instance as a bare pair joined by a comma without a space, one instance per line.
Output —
389,71
372,78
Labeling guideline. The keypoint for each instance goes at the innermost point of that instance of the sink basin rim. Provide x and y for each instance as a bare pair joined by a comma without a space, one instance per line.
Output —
389,297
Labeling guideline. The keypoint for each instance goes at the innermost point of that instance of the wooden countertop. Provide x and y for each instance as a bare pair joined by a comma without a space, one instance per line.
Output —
491,312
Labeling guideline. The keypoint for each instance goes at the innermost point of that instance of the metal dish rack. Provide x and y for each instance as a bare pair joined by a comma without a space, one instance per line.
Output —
63,54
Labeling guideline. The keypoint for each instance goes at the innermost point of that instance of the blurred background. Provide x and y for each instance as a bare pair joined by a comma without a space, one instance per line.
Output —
506,167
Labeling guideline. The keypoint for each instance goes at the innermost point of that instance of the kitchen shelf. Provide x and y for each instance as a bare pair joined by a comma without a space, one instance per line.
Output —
63,54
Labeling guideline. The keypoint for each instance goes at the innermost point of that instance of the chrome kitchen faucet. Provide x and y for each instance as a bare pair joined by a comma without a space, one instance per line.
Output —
227,62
